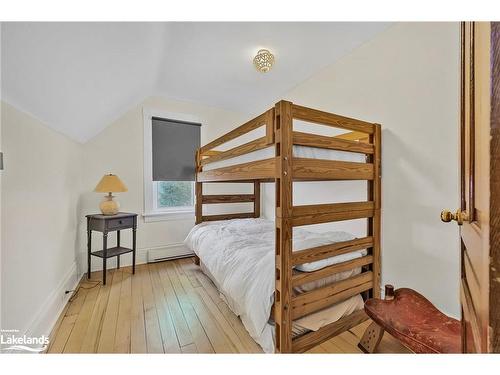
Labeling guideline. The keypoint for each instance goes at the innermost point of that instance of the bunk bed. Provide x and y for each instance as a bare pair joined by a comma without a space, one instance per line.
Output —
286,164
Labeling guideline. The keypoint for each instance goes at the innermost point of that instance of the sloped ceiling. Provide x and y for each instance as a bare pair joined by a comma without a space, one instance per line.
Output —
79,77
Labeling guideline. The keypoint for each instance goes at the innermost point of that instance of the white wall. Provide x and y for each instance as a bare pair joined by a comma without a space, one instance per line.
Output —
407,79
40,187
119,149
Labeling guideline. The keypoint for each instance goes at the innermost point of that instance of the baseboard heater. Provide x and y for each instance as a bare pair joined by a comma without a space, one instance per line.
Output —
170,252
170,258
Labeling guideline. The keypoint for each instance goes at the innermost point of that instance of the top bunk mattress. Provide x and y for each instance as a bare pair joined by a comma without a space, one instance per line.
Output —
298,152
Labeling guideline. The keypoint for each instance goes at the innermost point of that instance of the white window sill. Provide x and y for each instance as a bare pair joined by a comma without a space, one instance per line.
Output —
168,215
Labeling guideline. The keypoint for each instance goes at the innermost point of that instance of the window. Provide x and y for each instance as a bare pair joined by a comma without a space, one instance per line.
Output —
170,143
173,194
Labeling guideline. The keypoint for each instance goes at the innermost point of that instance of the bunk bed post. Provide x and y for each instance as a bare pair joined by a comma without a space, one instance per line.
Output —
283,275
374,194
198,197
377,192
199,202
270,126
256,197
198,189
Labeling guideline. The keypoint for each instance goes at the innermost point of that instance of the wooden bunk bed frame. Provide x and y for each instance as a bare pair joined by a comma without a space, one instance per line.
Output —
283,169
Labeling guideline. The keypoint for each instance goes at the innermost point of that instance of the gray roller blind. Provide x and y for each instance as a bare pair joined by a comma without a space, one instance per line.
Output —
174,148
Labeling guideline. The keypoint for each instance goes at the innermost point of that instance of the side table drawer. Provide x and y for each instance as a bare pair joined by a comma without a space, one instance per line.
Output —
121,223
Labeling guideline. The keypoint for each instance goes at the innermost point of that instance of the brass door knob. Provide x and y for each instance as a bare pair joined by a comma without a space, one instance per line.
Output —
459,216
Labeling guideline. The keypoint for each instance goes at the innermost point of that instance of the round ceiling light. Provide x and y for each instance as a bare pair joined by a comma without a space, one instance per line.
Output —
263,61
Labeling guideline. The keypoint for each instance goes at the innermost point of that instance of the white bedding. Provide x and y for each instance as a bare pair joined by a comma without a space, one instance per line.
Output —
239,256
298,151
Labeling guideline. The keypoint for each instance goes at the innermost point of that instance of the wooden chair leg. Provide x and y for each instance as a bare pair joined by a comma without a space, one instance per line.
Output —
371,338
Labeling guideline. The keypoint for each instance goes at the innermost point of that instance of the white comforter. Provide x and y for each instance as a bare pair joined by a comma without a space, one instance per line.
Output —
239,255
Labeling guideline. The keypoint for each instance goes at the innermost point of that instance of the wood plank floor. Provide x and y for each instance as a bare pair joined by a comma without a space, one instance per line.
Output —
167,307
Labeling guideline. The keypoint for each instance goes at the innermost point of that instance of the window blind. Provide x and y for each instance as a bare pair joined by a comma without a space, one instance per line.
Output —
174,147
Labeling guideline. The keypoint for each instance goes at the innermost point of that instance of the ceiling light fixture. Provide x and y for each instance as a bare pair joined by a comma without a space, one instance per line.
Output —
263,61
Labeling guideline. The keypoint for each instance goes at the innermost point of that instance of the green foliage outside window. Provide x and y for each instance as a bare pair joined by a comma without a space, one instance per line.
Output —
175,193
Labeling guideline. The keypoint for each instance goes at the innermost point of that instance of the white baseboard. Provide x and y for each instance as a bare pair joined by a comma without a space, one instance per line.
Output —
46,317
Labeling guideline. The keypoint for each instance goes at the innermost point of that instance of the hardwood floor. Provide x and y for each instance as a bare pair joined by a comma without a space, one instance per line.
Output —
167,307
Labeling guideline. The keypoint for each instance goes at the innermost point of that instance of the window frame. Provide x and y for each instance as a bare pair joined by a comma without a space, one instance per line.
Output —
151,211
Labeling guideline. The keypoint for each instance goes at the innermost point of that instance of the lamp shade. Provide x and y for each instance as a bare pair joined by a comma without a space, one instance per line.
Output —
110,183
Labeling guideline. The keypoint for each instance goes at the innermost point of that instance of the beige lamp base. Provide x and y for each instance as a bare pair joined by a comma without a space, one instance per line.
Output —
108,206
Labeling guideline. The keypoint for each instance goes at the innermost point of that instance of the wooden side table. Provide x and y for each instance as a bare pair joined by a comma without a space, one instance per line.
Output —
106,224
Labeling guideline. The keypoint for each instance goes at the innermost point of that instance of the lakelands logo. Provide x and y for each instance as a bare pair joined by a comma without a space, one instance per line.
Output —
11,341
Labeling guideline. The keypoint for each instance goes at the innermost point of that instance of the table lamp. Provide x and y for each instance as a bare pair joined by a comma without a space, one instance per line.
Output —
110,183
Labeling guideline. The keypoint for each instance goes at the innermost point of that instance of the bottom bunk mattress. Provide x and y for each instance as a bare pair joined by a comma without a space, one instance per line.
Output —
238,256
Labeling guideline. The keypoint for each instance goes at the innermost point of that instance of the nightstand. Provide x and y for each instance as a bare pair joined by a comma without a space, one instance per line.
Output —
106,224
